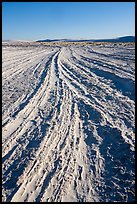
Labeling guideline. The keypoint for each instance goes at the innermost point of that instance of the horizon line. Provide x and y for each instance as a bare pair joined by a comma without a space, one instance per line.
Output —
70,38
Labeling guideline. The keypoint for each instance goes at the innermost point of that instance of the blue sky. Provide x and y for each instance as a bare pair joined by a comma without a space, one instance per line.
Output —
73,20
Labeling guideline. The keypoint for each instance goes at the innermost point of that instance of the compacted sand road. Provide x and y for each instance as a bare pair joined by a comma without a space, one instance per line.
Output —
68,123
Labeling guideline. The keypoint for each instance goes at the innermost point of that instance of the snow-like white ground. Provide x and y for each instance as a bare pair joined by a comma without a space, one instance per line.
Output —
68,123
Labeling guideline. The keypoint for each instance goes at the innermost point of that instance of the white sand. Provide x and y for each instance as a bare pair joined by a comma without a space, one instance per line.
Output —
68,123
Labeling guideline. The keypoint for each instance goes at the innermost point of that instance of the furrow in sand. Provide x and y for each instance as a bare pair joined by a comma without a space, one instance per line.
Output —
72,132
48,148
17,68
30,104
98,100
36,104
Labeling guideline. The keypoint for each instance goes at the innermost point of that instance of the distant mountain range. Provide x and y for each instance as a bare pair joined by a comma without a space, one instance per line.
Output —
119,39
